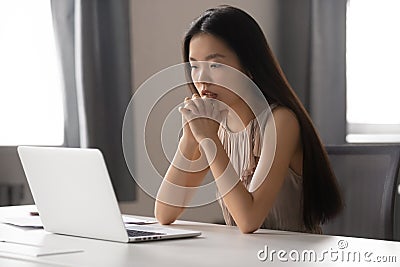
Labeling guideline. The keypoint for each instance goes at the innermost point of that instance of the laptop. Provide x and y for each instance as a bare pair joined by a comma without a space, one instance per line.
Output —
73,193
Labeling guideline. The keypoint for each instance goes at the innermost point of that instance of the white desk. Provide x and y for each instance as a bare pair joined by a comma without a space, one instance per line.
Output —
217,246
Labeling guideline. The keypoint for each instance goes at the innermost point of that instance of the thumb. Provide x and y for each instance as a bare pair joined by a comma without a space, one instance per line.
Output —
185,113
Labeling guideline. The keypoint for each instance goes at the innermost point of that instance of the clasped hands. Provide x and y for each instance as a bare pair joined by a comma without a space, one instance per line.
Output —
201,117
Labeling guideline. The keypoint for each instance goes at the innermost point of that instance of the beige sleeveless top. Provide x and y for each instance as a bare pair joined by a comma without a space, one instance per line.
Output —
244,149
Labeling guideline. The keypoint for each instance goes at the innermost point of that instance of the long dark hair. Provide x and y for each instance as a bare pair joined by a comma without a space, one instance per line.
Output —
321,196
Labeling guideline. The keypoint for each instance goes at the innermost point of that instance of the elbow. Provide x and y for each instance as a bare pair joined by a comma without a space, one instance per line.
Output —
248,230
164,220
250,223
163,217
248,227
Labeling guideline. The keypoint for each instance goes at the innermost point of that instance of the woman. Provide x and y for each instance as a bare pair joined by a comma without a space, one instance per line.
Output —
298,192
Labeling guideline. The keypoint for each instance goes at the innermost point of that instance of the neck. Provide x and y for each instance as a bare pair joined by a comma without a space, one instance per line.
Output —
239,117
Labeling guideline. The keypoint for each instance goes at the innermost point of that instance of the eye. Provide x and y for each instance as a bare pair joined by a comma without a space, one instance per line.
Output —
215,65
192,66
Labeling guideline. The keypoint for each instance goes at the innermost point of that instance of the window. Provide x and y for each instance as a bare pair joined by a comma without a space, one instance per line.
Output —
31,96
373,66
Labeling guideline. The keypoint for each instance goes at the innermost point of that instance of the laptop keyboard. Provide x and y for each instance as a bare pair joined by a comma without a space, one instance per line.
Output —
135,233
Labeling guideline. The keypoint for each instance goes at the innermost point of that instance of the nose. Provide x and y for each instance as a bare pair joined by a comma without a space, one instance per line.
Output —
201,74
204,76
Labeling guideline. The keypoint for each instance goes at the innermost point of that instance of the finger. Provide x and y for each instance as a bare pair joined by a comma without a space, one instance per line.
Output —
221,106
198,101
186,113
190,105
208,106
220,115
185,101
216,114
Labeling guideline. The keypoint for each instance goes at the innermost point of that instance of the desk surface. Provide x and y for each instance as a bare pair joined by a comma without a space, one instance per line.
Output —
217,246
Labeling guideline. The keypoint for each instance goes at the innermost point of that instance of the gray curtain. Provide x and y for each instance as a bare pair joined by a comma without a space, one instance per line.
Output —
94,44
64,30
311,47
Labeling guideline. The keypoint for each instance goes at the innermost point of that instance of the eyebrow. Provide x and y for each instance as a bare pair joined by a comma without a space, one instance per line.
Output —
211,56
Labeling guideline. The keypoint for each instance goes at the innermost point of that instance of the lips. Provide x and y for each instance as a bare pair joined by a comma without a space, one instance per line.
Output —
207,93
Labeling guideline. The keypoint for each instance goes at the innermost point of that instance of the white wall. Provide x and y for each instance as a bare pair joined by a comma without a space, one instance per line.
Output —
157,30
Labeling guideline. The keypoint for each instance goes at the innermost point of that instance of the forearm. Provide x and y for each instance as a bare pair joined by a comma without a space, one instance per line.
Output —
175,191
238,200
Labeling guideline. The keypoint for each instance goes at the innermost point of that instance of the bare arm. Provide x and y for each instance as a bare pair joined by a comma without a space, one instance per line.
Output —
249,209
188,169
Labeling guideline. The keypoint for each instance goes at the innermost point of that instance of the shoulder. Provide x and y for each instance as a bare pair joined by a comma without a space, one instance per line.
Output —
285,119
284,129
281,131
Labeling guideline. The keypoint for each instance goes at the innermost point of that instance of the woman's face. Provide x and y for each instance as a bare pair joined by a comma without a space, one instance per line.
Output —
207,54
